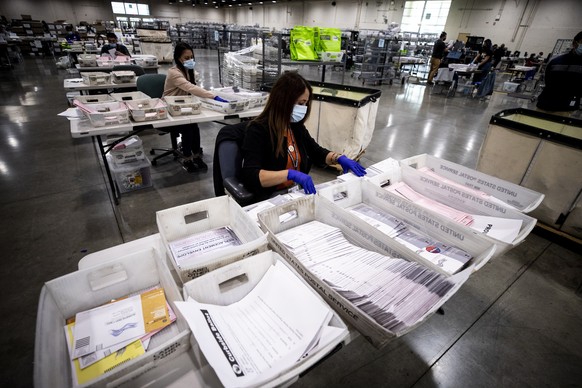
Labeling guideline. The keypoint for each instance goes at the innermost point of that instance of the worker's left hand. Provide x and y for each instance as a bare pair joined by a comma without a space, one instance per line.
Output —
351,165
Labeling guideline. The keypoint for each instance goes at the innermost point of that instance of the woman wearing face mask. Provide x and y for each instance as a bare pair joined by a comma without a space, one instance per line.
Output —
277,149
180,82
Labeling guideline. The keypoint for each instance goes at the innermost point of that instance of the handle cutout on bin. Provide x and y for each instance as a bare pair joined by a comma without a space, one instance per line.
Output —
106,277
126,98
340,195
385,183
233,283
195,217
288,216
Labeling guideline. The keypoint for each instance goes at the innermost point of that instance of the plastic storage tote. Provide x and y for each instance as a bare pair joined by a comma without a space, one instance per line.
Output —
63,297
183,105
96,78
186,220
105,113
131,176
122,77
94,99
87,60
130,96
128,151
147,110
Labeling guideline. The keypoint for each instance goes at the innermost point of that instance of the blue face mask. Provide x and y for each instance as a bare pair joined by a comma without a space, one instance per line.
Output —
189,64
113,45
578,50
299,112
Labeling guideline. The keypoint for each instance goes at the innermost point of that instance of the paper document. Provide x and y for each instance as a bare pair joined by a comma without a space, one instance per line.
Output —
186,250
503,229
82,376
264,334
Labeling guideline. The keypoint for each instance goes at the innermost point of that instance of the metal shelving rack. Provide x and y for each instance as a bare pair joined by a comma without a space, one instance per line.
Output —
275,61
375,57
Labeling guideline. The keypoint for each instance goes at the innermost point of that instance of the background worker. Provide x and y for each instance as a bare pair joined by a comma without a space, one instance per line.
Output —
438,52
563,79
112,44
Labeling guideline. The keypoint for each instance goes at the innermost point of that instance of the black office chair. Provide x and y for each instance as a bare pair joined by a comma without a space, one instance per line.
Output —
227,164
153,86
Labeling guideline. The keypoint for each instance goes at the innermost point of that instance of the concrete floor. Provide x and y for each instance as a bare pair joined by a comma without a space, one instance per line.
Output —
517,322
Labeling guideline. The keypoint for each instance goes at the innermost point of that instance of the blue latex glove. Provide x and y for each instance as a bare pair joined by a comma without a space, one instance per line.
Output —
219,99
351,165
303,179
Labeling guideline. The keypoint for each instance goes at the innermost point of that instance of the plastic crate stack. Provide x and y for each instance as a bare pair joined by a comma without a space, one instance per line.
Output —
241,70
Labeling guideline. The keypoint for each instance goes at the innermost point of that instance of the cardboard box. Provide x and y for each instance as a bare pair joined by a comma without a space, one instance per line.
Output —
311,208
175,224
63,297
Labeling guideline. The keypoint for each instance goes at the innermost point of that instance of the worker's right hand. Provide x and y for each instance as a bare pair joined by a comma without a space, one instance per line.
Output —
303,179
219,99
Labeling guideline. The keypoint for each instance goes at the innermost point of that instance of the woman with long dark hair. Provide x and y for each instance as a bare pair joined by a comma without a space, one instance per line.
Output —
180,81
278,150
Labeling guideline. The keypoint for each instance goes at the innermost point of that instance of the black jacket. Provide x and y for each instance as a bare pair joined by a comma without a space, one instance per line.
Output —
563,80
259,154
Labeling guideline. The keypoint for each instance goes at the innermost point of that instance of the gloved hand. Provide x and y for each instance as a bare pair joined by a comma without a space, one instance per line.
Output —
219,99
349,164
303,179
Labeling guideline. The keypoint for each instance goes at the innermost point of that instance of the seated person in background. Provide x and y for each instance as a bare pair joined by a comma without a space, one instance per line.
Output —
72,36
563,80
112,44
180,81
532,60
498,53
277,148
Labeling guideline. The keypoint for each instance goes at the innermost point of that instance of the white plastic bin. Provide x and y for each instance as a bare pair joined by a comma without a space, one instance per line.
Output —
128,151
210,289
147,110
175,224
122,77
354,192
63,297
230,107
105,113
255,98
519,197
457,199
130,96
96,78
87,60
183,105
131,176
94,99
145,60
359,233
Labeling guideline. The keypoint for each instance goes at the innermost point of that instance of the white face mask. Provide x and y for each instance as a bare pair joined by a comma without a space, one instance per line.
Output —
299,112
189,64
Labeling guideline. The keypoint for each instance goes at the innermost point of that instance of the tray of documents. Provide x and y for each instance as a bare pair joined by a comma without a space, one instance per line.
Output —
108,323
202,236
104,61
96,78
437,242
287,326
122,77
145,60
387,293
128,151
87,60
505,226
513,195
233,105
147,110
255,98
183,105
130,96
95,99
105,113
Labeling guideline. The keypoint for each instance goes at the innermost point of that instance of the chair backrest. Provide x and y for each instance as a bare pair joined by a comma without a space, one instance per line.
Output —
151,84
227,154
138,70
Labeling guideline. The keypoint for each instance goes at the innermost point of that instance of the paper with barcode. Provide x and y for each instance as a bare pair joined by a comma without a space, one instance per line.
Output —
107,325
264,334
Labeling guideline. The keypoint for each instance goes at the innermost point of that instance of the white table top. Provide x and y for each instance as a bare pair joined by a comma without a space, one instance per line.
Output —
78,84
83,128
521,68
109,68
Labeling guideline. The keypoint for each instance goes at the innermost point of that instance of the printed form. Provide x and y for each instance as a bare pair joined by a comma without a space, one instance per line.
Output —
264,334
